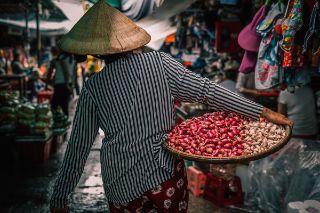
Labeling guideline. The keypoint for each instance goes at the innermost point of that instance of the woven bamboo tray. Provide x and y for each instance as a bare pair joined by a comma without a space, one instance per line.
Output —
236,159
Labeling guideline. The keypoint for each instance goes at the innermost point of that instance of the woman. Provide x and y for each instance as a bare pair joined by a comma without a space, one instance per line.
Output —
132,100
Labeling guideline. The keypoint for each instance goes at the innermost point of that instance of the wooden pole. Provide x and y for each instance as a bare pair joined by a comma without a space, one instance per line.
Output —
38,32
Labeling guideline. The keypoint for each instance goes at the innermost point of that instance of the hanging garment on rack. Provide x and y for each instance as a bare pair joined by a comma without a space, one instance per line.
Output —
276,11
291,24
268,67
293,58
314,29
248,62
249,39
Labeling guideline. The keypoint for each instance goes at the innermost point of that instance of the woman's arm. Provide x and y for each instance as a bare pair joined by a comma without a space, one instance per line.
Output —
188,86
85,128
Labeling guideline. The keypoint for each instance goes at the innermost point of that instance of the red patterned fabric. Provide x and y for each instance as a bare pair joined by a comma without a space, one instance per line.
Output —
171,196
293,58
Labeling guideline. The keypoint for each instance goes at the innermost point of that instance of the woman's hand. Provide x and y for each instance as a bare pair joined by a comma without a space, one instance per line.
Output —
275,117
59,210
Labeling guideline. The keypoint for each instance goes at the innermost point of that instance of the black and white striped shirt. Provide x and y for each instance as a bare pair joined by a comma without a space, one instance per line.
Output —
132,100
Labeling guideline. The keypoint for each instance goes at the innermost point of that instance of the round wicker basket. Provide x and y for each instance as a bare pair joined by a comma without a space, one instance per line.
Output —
236,159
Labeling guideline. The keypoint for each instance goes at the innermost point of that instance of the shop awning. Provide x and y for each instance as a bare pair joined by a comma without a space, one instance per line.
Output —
158,24
72,12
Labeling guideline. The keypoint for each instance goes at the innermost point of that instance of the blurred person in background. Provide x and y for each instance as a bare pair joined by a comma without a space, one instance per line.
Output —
229,80
230,75
4,63
17,67
300,107
245,85
60,74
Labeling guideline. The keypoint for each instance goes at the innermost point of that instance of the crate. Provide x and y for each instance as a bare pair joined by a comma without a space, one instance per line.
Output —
59,137
188,163
45,95
34,149
217,190
196,181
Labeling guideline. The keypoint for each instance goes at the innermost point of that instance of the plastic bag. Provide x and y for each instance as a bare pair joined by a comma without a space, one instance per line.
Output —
292,174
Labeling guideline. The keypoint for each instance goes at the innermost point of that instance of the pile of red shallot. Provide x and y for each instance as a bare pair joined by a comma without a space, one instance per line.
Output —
224,134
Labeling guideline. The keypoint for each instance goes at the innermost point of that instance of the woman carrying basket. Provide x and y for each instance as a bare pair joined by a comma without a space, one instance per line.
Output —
132,101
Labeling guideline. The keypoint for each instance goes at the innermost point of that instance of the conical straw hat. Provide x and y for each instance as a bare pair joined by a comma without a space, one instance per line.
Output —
103,30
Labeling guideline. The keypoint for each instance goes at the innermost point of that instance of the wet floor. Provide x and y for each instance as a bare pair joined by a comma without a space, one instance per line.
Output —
28,188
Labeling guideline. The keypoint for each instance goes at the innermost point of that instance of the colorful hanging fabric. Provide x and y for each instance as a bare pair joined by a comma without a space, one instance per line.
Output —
293,58
268,67
291,24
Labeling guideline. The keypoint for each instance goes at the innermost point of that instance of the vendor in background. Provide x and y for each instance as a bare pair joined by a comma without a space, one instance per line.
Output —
17,67
60,75
300,107
230,75
245,85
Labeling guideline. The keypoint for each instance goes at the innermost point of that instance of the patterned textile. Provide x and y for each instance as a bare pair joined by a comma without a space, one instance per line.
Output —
291,24
293,58
268,67
170,196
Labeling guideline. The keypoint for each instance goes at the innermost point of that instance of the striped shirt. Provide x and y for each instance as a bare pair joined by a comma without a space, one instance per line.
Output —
132,100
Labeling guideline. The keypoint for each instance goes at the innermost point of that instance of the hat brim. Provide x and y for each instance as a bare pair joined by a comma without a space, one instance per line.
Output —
103,30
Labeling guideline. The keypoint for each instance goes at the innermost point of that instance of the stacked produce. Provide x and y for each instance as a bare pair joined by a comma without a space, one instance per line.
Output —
59,120
222,134
22,117
26,118
43,119
8,117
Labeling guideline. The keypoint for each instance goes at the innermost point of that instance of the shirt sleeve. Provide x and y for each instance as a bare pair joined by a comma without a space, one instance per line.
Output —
84,131
190,87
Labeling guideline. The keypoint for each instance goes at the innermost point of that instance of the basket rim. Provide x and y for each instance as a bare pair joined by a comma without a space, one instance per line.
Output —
235,159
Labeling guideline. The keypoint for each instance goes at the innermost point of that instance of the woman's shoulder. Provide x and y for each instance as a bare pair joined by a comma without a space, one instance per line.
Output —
147,54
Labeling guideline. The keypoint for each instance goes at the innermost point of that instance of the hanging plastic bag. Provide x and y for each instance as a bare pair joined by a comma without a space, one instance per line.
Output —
293,174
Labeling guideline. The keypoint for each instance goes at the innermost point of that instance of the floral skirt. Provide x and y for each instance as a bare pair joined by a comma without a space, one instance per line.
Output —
170,196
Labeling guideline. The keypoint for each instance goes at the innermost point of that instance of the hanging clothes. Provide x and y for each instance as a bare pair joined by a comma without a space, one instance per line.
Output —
268,68
312,38
292,23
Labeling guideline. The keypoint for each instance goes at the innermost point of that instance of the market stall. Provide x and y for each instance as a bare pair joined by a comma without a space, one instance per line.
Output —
31,127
